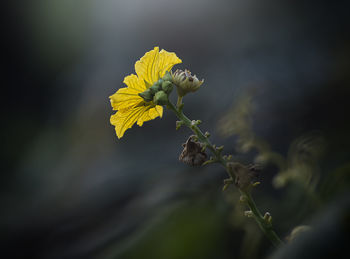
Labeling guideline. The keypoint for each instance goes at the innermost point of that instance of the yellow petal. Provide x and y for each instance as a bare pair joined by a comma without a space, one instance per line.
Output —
132,81
159,110
150,114
125,119
166,61
154,64
125,98
128,96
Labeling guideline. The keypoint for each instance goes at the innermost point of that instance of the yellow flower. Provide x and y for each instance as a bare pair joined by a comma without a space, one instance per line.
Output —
132,108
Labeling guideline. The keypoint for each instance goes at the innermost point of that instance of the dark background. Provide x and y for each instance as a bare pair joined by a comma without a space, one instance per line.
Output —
71,189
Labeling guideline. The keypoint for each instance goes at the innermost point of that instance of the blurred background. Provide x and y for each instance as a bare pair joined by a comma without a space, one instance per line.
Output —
276,93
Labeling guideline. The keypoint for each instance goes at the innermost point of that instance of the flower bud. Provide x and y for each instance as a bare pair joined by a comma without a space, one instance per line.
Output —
160,98
147,95
154,89
167,76
159,82
248,214
185,82
268,218
167,87
179,124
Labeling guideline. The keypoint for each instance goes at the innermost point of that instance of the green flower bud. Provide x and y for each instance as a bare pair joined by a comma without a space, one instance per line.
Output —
160,98
154,88
268,218
147,95
167,86
185,82
167,76
248,214
179,124
159,82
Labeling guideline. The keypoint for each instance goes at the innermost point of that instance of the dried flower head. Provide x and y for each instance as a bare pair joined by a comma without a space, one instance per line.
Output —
185,82
244,175
193,153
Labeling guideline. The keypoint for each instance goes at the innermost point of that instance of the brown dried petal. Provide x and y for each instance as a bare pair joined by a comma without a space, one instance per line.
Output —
192,153
244,175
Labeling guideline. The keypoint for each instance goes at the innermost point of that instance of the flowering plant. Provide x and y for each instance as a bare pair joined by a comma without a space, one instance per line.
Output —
143,100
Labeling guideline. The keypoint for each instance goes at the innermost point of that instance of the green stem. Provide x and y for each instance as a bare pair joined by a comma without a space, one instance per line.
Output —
265,226
179,102
193,126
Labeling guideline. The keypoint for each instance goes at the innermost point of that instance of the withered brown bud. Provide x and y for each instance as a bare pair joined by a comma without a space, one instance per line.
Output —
244,175
192,153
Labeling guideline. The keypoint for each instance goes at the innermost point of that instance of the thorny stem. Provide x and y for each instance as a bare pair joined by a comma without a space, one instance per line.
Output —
265,226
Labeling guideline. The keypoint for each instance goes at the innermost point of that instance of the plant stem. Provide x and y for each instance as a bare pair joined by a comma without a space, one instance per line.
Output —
265,226
179,101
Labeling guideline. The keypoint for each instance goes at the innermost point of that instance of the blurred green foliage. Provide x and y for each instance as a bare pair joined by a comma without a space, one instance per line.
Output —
188,230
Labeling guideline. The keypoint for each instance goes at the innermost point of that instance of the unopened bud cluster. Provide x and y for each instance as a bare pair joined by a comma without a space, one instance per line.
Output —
159,91
185,82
